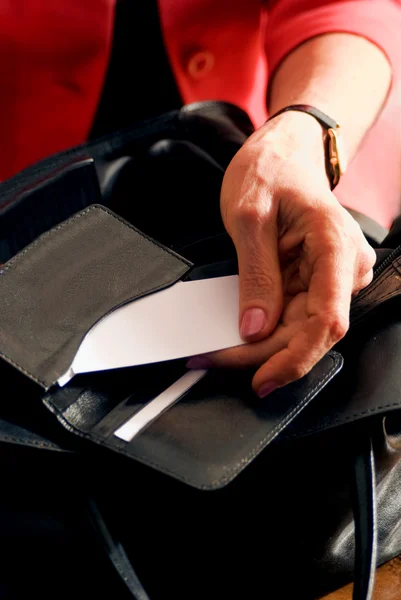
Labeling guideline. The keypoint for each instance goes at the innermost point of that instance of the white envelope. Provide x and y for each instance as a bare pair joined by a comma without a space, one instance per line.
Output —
183,320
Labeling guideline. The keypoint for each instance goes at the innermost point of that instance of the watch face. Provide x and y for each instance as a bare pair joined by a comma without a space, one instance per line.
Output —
337,157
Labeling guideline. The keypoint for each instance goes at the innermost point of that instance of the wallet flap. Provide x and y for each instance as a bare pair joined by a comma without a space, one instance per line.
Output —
59,286
213,432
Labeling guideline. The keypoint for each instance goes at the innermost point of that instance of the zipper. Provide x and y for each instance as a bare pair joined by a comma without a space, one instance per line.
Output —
387,262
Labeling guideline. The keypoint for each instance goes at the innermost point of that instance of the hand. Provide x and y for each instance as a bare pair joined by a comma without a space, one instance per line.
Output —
301,255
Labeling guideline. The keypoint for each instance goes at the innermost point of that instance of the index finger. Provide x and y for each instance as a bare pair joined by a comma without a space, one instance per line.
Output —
327,321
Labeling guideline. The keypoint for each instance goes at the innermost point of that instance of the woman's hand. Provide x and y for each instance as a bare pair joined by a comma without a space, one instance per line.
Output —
301,255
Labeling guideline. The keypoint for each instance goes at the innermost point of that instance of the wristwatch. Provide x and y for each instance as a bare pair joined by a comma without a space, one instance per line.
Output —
335,152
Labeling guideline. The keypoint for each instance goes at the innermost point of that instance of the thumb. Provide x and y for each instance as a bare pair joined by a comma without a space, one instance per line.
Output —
260,283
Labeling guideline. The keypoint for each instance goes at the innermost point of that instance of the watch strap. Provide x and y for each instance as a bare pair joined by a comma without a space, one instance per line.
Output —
324,120
335,159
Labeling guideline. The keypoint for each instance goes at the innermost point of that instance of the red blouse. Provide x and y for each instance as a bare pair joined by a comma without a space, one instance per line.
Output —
55,54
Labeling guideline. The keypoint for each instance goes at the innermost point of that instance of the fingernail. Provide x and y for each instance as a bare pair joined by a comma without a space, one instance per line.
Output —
199,362
267,388
253,321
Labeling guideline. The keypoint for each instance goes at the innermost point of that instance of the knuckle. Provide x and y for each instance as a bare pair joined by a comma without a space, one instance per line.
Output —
338,327
335,325
333,247
297,371
363,281
248,216
368,278
365,263
333,241
368,257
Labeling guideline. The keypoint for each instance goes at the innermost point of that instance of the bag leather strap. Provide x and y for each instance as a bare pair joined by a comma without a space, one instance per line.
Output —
364,496
116,553
365,519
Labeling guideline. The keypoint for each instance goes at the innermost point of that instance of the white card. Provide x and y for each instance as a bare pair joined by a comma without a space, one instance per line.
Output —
158,405
188,318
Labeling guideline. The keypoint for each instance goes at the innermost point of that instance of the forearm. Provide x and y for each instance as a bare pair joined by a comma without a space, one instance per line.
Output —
344,75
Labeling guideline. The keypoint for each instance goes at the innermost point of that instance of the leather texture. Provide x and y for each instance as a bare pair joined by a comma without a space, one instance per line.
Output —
116,553
46,307
179,442
40,205
365,517
384,287
288,511
365,531
371,350
295,494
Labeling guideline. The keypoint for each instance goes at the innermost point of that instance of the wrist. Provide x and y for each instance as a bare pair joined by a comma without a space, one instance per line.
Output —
334,148
299,130
295,136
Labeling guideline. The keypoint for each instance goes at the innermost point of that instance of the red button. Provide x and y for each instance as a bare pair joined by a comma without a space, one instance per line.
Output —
200,64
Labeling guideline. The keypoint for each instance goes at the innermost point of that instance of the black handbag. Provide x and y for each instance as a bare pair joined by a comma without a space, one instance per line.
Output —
79,236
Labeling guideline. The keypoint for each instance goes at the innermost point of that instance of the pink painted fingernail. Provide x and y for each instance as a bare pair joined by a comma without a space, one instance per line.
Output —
267,388
253,321
199,362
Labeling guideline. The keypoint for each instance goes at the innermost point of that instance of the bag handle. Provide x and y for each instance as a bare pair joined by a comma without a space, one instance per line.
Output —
365,518
116,553
364,502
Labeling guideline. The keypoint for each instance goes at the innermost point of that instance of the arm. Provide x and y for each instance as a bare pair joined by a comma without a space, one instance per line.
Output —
301,255
344,75
292,23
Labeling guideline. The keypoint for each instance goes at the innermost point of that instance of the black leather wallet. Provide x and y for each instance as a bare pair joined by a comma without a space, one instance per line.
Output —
62,284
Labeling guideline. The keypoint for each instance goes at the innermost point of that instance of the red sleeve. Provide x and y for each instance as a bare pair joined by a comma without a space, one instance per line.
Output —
292,22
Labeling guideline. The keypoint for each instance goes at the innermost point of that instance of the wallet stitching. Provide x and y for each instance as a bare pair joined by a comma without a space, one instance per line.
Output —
52,232
343,420
336,361
283,422
6,438
47,384
44,236
36,379
396,265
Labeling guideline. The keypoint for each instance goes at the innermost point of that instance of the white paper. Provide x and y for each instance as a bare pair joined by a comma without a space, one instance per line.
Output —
186,319
153,409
